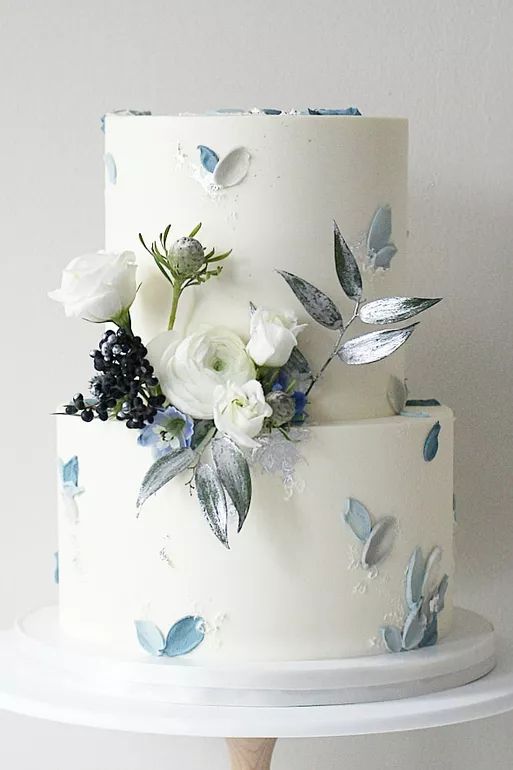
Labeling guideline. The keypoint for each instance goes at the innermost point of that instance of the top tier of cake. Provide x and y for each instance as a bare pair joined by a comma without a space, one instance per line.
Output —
269,187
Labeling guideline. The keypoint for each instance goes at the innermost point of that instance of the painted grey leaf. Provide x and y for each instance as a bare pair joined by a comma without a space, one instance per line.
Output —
150,637
208,158
184,636
346,266
315,302
431,633
431,572
392,638
297,370
414,629
437,603
380,542
394,309
163,470
358,518
414,578
374,346
233,470
397,393
233,168
212,500
431,443
423,402
380,230
110,168
414,415
270,111
69,472
384,256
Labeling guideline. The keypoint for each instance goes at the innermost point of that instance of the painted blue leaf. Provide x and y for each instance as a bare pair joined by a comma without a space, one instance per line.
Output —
344,111
431,443
437,603
414,579
69,472
185,636
430,634
414,629
56,568
208,158
392,638
423,402
150,637
358,518
384,256
380,542
270,111
406,413
380,230
110,168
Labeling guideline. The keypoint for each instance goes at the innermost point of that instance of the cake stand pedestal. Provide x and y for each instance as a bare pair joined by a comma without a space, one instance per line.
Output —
42,682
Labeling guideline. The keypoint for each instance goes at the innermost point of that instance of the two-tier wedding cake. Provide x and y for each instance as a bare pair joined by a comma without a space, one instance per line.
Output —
277,497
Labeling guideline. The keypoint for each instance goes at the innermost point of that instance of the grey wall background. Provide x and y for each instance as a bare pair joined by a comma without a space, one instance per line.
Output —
447,65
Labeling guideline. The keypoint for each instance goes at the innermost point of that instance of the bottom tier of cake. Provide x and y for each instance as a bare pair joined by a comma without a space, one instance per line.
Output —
359,559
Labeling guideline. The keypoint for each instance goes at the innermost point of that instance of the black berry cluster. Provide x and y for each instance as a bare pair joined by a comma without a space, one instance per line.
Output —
124,386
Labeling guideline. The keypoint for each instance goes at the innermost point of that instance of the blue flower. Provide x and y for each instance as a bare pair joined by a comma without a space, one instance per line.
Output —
282,383
171,429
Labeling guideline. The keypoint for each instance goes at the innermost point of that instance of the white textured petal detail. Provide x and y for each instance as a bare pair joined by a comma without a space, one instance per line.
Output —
233,168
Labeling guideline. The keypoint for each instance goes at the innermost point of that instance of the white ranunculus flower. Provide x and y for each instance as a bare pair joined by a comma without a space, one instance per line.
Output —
240,411
98,287
273,336
190,369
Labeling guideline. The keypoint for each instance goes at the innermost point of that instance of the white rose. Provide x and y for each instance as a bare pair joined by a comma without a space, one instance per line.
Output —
98,287
273,337
190,369
240,411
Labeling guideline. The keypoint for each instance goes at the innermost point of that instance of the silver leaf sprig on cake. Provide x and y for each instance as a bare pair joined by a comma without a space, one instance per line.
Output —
367,348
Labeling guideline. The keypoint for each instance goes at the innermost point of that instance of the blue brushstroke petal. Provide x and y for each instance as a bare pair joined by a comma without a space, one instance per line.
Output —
69,472
185,636
344,111
415,579
431,633
384,256
150,637
431,443
358,518
270,111
380,230
414,629
110,168
208,158
392,638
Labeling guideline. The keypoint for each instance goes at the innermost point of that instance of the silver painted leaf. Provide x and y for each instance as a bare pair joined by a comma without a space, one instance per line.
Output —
233,168
315,302
431,443
397,393
380,230
184,636
414,578
380,542
431,633
163,470
384,256
431,572
374,346
394,309
110,168
150,637
414,629
346,266
208,158
233,470
358,518
297,370
392,638
212,500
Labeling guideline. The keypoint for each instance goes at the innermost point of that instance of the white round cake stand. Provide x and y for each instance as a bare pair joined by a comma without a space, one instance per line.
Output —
49,691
